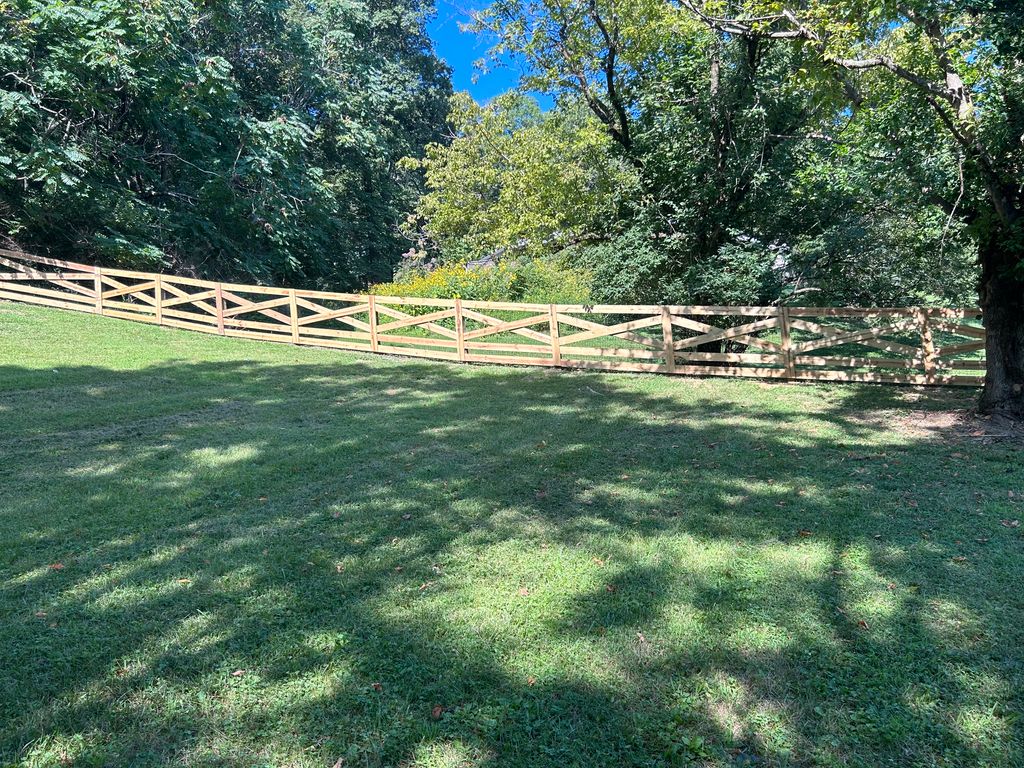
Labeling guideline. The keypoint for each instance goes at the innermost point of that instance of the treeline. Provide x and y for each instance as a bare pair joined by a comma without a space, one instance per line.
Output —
255,139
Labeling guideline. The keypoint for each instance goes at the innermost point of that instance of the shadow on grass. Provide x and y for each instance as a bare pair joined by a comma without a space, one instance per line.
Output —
255,564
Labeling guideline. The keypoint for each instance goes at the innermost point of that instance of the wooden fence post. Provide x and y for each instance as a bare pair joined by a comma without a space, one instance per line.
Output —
219,294
668,340
460,330
556,347
786,338
293,314
98,288
158,294
371,304
928,344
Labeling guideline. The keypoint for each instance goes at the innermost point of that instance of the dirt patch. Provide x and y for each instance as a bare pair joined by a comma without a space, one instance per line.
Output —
956,426
959,425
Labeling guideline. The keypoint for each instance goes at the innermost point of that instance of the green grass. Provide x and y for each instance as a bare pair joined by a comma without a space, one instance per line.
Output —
226,553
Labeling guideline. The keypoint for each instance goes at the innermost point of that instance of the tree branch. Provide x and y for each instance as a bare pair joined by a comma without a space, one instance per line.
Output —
611,52
799,31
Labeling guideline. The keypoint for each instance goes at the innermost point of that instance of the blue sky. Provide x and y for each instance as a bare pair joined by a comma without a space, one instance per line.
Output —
461,49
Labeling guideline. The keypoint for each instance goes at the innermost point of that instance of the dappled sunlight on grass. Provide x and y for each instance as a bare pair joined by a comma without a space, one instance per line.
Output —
223,553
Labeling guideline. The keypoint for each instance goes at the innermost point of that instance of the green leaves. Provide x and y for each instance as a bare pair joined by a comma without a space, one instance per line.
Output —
518,180
255,139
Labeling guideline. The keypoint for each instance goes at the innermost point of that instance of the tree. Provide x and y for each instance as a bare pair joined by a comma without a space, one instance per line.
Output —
707,121
963,60
748,189
244,138
516,180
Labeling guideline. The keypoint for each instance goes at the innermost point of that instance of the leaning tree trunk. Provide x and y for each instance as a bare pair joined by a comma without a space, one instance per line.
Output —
1002,305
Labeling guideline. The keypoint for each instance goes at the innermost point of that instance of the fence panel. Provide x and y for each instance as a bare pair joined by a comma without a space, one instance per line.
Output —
904,345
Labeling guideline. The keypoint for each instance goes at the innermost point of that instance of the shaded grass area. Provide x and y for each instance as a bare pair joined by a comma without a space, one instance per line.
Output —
224,553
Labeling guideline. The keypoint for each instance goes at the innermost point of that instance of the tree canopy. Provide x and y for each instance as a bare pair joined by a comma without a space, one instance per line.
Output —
515,179
756,178
245,137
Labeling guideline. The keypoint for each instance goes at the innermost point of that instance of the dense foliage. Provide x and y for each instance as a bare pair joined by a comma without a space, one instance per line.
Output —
529,280
255,138
518,180
750,179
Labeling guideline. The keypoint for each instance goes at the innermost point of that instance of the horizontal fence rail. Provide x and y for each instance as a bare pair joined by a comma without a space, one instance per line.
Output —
907,345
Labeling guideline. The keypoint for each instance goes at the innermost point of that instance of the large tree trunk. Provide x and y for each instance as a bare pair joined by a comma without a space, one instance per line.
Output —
1002,302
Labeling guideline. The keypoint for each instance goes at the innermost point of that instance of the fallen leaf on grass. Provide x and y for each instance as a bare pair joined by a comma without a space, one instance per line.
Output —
959,559
531,680
862,624
524,592
610,588
378,687
436,712
56,566
184,581
804,532
238,673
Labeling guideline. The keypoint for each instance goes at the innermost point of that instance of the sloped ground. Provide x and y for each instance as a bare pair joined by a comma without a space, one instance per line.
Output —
225,553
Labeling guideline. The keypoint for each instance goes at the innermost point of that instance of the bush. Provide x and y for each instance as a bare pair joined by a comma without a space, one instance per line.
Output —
532,281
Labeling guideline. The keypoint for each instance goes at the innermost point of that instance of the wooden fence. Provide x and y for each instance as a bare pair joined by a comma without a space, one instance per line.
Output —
895,345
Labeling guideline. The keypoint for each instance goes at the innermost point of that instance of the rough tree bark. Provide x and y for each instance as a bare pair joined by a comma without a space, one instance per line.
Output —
1002,304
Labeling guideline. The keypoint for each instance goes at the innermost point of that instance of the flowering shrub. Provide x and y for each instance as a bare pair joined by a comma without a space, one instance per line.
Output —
535,280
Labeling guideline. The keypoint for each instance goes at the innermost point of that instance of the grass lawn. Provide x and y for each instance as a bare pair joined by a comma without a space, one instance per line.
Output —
216,552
